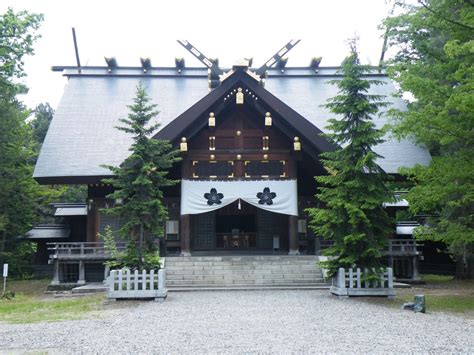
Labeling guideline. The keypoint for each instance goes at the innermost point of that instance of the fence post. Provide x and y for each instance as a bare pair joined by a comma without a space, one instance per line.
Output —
128,285
135,281
112,279
106,272
341,278
152,280
359,283
143,280
390,277
161,279
351,278
120,280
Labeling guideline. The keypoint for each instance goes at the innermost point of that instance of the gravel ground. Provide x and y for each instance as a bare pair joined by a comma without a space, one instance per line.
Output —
243,322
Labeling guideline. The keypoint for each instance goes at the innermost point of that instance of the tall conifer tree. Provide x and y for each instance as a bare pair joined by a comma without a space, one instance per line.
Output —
354,189
138,183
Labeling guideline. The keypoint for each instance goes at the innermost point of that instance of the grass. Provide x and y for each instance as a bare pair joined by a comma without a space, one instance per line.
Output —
436,279
31,305
442,294
457,304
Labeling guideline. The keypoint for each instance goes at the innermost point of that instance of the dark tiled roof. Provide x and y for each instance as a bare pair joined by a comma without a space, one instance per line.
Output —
82,135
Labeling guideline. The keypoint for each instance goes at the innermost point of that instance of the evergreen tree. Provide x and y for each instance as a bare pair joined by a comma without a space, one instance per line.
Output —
354,189
19,193
435,64
40,124
138,184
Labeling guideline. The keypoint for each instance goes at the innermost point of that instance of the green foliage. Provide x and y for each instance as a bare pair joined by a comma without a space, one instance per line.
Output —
19,193
139,180
354,189
129,257
40,124
435,64
17,35
19,257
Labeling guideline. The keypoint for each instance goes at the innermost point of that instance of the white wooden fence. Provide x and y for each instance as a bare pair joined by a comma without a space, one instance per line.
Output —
354,283
137,284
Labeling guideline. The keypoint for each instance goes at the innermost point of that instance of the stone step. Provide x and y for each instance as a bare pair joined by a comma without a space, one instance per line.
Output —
241,257
243,272
240,276
287,261
171,276
246,265
242,282
246,288
261,268
91,288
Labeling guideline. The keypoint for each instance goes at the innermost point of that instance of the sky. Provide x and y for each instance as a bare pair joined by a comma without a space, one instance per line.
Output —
228,30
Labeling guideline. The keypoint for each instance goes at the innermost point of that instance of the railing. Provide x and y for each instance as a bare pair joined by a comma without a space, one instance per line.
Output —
402,247
81,250
139,284
396,247
354,283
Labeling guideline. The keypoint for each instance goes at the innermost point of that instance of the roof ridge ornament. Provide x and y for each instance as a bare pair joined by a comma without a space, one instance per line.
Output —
212,64
262,71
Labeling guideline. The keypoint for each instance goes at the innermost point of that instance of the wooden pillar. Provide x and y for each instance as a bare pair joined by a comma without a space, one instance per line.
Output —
293,235
92,220
185,234
82,273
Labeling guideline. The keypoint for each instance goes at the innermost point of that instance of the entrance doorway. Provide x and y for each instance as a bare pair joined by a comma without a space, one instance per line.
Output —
247,229
236,227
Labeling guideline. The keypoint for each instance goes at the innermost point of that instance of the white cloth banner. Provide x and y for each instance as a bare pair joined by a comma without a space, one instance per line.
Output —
279,196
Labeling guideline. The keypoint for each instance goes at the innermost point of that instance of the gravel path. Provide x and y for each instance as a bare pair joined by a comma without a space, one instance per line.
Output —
255,321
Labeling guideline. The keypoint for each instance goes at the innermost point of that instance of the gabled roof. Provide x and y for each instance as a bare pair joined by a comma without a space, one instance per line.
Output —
310,134
82,136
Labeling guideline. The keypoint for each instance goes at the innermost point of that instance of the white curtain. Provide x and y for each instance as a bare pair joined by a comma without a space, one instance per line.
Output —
279,196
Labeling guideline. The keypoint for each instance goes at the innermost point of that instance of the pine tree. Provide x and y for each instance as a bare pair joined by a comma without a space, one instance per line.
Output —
40,124
138,184
354,189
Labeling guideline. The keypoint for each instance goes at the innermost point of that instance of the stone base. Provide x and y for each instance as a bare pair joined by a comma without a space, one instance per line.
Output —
61,286
136,295
362,292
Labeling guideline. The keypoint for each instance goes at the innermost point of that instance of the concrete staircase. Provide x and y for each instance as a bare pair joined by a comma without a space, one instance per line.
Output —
243,272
